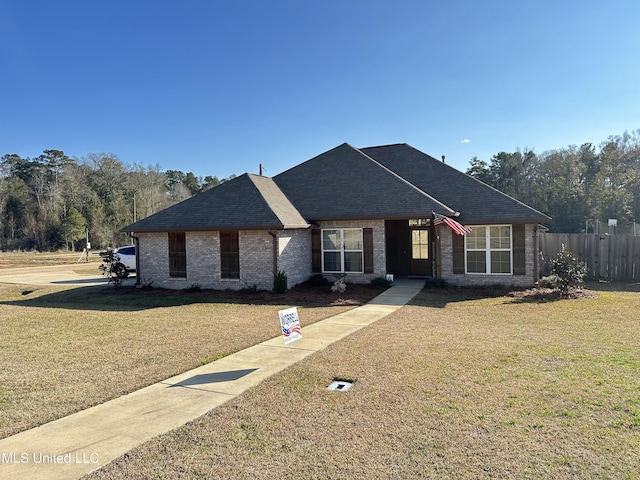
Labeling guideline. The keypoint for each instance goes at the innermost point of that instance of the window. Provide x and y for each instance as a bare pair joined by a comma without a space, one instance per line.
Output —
419,222
420,244
229,255
342,250
488,250
177,255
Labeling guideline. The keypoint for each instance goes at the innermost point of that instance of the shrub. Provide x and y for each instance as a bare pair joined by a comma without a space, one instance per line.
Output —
569,271
111,268
381,282
436,283
550,281
317,280
280,282
340,285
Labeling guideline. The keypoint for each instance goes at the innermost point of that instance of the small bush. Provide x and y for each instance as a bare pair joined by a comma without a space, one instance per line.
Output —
340,285
317,280
569,271
550,281
280,282
111,268
436,283
251,288
381,282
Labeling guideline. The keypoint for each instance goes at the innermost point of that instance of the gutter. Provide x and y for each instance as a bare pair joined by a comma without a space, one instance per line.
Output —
274,235
136,241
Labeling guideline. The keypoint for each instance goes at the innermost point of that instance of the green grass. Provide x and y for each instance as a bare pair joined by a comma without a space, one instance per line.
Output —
452,386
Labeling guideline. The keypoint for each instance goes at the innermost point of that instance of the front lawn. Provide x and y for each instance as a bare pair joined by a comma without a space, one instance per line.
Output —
452,386
66,349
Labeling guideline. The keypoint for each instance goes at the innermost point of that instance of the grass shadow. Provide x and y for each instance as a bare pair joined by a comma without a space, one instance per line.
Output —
130,299
441,297
101,298
606,286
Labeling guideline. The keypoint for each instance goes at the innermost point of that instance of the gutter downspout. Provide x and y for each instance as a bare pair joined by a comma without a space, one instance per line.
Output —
136,241
536,256
274,235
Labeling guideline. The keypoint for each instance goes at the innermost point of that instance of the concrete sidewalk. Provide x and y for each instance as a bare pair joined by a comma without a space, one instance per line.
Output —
80,443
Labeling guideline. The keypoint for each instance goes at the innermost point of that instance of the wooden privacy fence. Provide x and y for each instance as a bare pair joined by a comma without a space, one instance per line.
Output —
609,257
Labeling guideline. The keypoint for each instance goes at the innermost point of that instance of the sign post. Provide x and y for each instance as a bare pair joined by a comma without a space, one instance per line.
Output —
290,324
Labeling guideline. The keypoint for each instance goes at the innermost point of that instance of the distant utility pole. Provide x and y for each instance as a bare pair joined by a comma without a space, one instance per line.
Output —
87,247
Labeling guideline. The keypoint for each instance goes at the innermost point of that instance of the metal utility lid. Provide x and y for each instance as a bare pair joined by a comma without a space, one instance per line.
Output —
341,385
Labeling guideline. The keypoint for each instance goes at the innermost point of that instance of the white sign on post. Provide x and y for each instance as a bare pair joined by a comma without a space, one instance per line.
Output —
290,324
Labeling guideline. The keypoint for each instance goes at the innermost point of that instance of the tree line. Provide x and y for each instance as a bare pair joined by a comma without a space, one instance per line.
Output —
54,202
576,186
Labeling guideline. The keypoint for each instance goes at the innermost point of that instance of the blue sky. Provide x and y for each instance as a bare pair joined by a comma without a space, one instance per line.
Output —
219,87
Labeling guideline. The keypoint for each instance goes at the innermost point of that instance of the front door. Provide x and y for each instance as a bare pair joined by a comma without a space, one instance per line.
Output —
408,247
419,251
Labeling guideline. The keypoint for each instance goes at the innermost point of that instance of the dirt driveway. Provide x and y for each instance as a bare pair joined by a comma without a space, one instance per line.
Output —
80,274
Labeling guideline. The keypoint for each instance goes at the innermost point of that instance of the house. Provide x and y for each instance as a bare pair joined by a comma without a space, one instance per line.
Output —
363,213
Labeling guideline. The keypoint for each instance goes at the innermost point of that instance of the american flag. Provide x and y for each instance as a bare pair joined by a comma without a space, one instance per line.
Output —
451,223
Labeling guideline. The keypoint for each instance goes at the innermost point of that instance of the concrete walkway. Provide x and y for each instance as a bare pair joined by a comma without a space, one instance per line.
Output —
80,443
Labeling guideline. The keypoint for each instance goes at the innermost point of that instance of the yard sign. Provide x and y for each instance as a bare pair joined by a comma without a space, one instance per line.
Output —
290,324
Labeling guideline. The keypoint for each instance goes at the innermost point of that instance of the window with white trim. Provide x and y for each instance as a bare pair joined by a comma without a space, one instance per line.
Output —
488,250
342,250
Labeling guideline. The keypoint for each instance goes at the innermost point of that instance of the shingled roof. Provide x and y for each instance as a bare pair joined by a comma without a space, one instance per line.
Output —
345,183
476,201
247,202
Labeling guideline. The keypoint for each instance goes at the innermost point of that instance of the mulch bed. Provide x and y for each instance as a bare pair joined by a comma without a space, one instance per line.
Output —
550,294
302,294
356,294
536,294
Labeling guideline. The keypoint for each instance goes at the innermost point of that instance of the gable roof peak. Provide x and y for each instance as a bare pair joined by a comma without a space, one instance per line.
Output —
347,183
476,201
388,145
248,201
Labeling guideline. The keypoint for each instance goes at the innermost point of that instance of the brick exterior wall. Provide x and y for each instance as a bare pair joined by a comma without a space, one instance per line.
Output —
203,259
379,249
294,248
256,258
445,264
153,254
294,252
256,261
